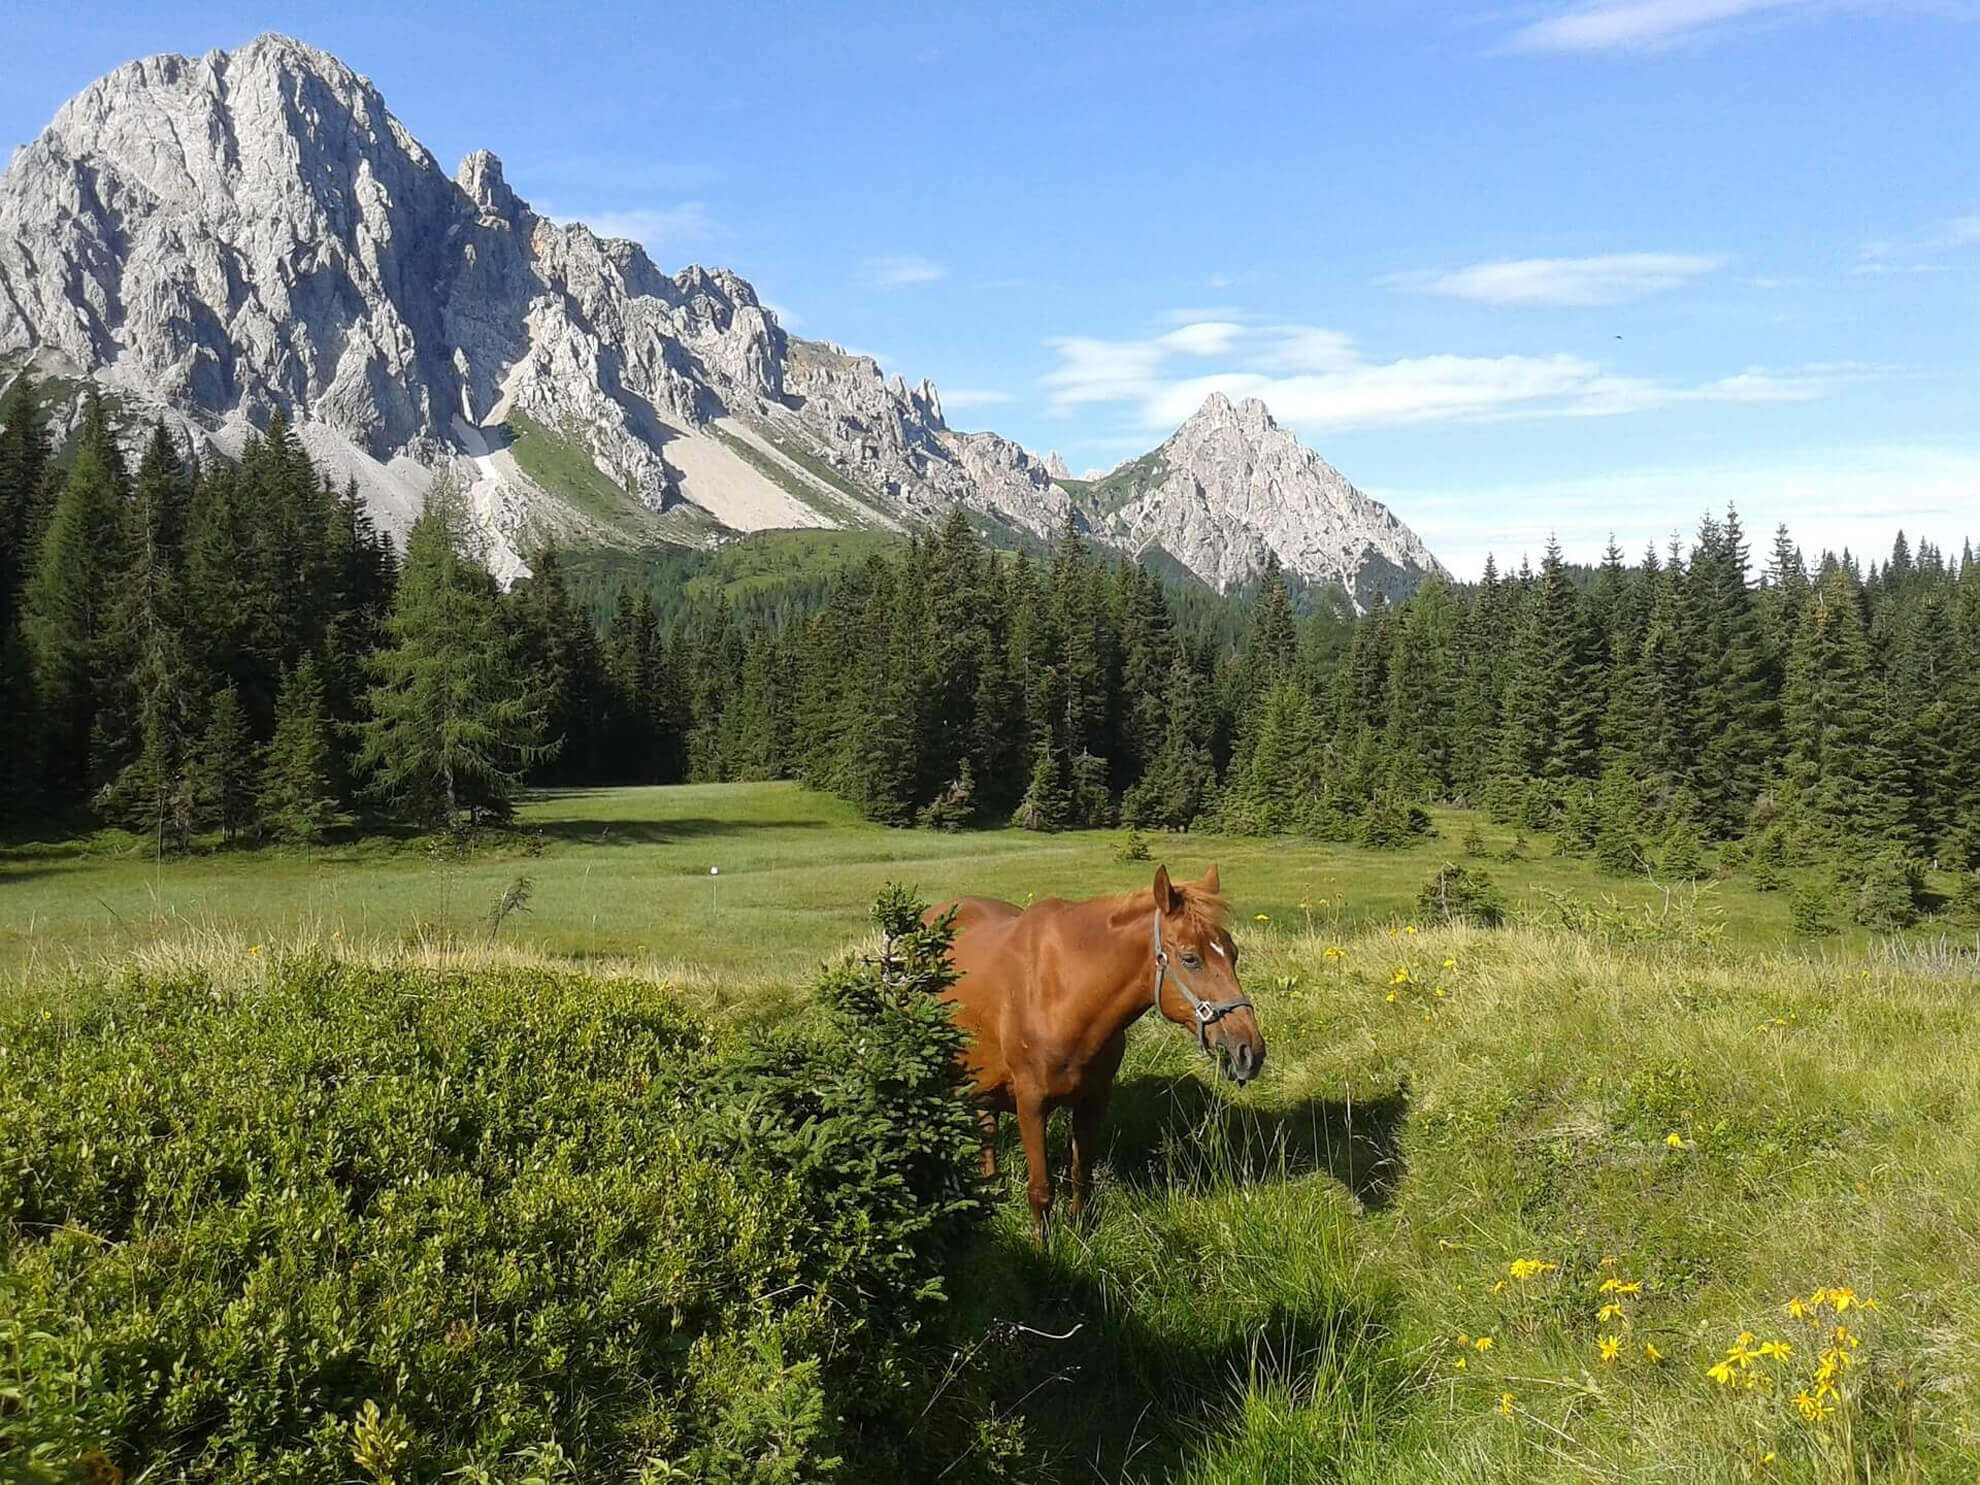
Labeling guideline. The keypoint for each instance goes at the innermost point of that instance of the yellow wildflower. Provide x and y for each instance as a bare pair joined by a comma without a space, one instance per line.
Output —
1674,1140
1506,1404
1483,1343
1622,1286
1812,1409
1777,1349
1610,1311
1450,964
1611,1348
254,949
1335,951
1392,997
1260,918
1410,929
1652,1352
1526,1268
1459,1363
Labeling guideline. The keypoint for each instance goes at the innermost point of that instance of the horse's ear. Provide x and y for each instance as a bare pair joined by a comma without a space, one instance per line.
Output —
1210,883
1167,899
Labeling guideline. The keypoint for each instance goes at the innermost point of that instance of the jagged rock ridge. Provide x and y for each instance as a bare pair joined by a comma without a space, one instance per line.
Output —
219,238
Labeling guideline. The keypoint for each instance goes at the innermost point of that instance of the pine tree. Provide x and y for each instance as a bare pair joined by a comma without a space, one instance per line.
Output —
453,727
67,601
24,458
1047,802
227,766
148,695
1179,782
298,784
1554,700
1737,716
1839,734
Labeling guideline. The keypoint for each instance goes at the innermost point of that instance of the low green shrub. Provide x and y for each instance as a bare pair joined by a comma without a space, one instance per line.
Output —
1462,894
404,1223
1887,896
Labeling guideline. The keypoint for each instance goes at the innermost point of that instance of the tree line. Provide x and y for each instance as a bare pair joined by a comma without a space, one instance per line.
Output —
185,650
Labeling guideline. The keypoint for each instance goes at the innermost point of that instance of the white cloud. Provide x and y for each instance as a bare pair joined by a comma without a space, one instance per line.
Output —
957,398
788,319
1857,497
897,269
1318,380
658,229
1962,232
1615,25
1576,282
1204,338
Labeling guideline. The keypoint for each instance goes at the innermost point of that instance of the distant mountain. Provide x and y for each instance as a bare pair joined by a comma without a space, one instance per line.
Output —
217,239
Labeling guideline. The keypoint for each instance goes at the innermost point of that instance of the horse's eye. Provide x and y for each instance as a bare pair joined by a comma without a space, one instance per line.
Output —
1192,961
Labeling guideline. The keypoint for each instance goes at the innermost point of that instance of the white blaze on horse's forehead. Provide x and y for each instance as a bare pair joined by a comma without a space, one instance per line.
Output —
1218,948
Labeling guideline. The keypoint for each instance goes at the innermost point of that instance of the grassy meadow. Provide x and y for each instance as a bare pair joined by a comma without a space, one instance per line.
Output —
1500,1203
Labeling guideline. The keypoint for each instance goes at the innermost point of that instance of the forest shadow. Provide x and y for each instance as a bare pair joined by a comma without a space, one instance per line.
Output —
1169,1131
654,832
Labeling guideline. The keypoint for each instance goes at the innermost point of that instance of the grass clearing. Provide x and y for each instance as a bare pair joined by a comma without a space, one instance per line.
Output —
1281,1284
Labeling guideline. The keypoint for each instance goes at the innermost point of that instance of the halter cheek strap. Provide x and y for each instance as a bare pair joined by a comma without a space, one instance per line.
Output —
1208,1012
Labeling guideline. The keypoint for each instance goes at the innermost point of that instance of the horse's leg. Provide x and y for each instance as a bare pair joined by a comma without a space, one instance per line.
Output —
987,1118
1031,1124
1087,1116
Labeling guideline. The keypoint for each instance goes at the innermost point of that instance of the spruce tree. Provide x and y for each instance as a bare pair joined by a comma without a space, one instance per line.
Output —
227,767
148,695
1839,734
68,600
453,727
298,799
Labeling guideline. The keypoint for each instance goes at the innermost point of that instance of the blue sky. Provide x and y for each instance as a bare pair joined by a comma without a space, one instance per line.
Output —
1576,266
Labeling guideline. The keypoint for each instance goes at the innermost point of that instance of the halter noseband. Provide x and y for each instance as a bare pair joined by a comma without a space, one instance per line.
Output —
1208,1012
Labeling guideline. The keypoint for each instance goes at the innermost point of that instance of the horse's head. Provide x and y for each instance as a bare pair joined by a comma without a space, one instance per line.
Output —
1196,973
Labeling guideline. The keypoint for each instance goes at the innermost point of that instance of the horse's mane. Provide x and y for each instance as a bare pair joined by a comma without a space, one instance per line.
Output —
1204,911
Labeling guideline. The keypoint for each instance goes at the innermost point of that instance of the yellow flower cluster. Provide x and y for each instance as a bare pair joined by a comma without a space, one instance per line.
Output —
1616,1314
1527,1268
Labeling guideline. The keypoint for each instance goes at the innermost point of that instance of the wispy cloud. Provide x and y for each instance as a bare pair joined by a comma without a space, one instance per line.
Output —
1611,278
789,319
897,269
660,229
1316,379
1855,496
1617,25
955,398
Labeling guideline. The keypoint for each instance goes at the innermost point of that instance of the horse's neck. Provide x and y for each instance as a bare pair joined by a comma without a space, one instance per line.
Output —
1122,984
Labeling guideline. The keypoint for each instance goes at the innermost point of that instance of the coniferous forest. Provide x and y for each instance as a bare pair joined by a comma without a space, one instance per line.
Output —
236,652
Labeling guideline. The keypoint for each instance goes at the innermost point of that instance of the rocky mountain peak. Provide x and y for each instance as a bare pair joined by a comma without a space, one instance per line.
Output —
253,231
480,177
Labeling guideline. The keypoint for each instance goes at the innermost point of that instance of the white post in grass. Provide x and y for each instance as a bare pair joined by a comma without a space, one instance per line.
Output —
713,873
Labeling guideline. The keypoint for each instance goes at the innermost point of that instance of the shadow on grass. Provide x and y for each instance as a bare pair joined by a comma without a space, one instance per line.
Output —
1132,1376
1175,1131
652,832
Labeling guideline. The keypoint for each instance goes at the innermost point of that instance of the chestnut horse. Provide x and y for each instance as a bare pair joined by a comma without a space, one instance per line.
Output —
1047,994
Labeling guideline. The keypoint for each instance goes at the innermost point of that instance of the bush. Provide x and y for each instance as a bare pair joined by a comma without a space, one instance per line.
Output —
1965,904
1474,842
1460,894
955,806
408,1223
1134,848
1811,910
1538,809
1768,864
1887,897
1580,824
1392,822
1682,855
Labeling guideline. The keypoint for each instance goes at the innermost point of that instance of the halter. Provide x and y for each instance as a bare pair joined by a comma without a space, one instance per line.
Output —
1208,1012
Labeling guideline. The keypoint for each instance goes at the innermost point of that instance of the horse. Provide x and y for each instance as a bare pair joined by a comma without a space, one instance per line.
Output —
1048,992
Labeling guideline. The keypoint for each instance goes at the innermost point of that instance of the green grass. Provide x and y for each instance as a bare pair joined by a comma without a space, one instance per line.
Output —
564,467
1273,1283
624,872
